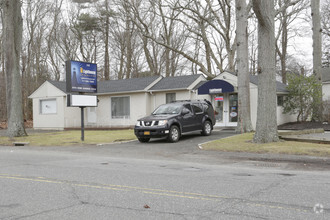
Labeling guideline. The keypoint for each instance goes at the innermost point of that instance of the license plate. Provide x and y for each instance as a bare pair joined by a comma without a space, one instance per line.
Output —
147,133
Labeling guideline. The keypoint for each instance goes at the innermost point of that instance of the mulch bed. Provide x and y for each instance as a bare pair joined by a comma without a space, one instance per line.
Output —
304,125
27,124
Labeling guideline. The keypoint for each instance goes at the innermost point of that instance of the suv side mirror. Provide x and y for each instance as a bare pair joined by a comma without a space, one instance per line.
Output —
185,111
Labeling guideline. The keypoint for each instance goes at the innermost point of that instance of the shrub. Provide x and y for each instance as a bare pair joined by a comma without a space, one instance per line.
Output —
304,98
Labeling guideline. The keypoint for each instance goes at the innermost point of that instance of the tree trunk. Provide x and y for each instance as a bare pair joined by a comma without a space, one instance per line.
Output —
284,45
12,35
317,39
129,54
317,52
266,129
244,117
106,44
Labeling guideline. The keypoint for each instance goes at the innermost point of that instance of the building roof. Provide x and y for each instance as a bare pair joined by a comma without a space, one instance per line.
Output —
176,82
125,85
166,83
115,86
199,85
280,87
59,84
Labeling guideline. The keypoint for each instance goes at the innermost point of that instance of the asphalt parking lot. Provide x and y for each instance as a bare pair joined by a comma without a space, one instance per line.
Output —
187,148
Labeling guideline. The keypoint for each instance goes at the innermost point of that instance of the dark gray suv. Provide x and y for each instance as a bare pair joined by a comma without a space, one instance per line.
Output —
173,119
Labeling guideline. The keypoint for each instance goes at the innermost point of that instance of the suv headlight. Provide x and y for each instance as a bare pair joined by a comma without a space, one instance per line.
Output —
138,123
162,122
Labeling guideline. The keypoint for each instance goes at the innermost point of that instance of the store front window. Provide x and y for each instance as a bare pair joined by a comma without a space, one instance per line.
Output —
233,107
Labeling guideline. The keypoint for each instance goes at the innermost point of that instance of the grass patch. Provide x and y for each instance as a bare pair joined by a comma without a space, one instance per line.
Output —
65,138
243,143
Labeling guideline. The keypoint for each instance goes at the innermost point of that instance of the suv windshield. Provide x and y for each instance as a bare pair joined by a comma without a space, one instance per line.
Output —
168,109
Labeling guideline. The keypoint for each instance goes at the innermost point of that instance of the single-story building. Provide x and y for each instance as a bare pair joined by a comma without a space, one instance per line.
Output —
122,102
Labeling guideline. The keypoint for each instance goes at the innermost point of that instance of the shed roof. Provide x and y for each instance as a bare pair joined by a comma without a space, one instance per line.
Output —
59,84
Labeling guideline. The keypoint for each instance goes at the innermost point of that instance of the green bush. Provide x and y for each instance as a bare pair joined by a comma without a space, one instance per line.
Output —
304,98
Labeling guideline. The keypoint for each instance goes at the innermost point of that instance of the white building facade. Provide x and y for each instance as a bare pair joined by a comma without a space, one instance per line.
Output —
122,102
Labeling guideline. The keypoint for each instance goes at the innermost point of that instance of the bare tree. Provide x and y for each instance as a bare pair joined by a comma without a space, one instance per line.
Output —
223,25
53,42
162,37
106,13
168,35
266,129
325,19
244,117
253,45
34,56
288,12
178,49
126,41
12,42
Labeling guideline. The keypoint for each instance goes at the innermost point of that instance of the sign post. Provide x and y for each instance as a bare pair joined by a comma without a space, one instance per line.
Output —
82,124
81,77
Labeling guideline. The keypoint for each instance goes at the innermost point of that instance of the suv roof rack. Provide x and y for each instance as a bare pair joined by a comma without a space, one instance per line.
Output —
192,100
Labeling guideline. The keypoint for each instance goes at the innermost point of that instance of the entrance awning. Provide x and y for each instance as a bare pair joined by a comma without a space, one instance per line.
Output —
215,86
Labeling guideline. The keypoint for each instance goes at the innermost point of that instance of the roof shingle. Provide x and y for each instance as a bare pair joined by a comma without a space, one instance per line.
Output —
176,82
280,87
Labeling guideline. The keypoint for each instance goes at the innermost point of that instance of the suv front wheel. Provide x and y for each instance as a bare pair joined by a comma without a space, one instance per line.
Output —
174,134
207,128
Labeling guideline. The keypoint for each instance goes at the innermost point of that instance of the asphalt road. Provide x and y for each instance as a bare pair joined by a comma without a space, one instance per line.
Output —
157,180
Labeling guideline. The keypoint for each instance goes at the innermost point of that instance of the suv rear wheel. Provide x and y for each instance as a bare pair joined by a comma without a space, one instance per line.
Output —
207,128
174,134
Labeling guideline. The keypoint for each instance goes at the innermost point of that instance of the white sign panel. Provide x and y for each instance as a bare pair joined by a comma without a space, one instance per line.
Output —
82,100
215,91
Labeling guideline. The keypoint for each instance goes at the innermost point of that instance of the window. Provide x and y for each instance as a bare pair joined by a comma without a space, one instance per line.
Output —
280,100
120,107
48,106
188,107
197,108
170,97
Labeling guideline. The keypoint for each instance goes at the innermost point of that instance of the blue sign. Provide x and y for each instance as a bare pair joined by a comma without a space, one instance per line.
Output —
81,76
215,86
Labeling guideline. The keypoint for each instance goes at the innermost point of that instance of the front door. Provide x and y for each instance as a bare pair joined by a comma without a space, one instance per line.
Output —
225,109
233,109
188,119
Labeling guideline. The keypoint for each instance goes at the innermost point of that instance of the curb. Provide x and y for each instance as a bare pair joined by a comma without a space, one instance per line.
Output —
277,158
297,136
300,132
